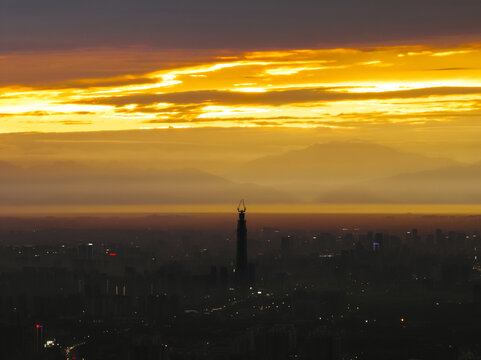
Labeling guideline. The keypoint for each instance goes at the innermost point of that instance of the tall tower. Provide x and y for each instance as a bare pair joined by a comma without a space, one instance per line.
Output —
241,259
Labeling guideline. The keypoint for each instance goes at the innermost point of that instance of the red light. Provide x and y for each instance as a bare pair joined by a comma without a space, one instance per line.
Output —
113,254
260,253
38,326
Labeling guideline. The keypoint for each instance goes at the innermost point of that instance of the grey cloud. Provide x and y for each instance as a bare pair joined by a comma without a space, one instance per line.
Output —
53,24
279,97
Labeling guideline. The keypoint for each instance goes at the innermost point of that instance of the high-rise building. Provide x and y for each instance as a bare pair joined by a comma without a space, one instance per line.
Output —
85,251
285,246
241,258
38,339
377,244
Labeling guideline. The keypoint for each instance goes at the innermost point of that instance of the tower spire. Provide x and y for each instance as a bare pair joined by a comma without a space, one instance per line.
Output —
242,206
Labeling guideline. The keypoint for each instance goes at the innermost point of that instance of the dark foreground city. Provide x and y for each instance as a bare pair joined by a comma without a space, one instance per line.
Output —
154,288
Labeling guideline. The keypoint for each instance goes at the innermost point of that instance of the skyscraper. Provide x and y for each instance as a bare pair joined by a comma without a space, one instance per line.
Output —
285,246
38,339
241,259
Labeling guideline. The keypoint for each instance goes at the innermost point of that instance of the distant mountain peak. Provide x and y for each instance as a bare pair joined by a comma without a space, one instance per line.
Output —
342,159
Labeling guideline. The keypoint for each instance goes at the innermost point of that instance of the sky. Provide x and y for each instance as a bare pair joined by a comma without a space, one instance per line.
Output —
335,88
191,82
117,65
218,24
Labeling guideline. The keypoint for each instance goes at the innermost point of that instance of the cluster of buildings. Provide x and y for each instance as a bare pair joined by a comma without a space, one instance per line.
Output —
298,295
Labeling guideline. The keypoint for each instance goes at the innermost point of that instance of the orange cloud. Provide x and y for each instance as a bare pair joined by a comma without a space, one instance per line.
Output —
406,83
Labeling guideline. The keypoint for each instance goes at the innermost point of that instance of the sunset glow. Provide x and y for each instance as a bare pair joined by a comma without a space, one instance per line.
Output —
338,88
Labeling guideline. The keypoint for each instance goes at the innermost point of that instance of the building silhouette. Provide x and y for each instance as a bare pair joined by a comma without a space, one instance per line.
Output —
241,258
285,246
39,338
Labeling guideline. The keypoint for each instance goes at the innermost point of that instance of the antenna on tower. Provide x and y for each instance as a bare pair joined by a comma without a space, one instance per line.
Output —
241,208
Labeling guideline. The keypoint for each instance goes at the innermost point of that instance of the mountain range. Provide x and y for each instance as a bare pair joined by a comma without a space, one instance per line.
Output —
457,184
336,172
